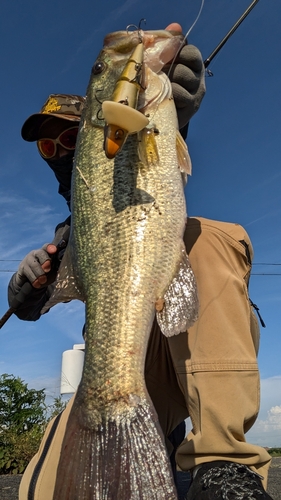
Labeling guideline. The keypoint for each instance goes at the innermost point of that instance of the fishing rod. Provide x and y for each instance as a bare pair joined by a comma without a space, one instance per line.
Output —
184,130
228,35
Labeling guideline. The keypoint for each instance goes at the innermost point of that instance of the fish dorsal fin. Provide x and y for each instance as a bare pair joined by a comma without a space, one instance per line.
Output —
184,160
180,301
66,286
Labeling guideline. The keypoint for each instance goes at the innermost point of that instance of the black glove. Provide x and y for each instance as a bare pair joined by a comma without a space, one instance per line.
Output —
188,82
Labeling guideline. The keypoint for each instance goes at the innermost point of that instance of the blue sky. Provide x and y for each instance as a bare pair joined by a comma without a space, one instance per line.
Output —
234,141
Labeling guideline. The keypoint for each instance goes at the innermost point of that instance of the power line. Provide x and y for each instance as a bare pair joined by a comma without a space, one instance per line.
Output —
265,264
265,274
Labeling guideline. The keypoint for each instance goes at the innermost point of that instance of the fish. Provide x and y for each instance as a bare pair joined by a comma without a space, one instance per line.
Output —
126,261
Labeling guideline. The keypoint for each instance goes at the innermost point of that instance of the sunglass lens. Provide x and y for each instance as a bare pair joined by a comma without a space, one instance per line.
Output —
68,138
46,147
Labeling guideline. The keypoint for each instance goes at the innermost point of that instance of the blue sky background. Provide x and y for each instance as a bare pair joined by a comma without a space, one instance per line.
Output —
234,141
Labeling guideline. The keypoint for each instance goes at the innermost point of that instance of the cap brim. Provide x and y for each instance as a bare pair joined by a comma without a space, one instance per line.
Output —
30,128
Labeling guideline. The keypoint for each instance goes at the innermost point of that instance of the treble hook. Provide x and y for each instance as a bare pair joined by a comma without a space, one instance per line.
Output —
138,28
98,90
142,19
99,112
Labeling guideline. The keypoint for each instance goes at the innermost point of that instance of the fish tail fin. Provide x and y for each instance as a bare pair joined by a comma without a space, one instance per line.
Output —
121,458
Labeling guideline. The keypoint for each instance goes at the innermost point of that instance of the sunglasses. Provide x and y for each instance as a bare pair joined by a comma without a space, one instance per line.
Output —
67,139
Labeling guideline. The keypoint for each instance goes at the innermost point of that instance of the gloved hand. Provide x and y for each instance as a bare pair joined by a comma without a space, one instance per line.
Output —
187,75
40,266
188,82
37,267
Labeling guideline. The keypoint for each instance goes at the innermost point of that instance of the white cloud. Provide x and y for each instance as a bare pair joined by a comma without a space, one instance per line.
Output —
24,225
267,429
273,421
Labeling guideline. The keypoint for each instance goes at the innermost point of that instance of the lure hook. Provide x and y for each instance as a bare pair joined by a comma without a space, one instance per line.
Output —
138,28
142,20
98,90
99,113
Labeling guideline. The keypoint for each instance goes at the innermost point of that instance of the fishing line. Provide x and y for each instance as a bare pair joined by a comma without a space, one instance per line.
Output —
180,47
165,83
187,34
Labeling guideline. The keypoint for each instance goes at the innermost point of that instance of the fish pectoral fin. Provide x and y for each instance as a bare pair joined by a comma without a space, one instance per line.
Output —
184,160
178,309
66,288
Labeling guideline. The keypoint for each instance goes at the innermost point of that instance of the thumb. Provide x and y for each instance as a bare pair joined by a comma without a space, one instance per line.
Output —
174,27
51,249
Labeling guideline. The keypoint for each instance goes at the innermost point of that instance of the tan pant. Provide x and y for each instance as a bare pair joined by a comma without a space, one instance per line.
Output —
209,373
214,364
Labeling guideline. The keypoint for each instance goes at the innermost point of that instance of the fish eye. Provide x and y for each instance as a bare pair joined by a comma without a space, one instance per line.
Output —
98,67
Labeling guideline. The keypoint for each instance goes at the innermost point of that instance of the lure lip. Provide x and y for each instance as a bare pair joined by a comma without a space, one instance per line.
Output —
124,117
121,121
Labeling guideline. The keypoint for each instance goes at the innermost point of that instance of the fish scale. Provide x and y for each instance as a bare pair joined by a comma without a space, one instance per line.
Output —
125,250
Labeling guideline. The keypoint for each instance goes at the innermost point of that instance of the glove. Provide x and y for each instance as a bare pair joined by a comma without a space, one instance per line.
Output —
187,76
40,266
36,267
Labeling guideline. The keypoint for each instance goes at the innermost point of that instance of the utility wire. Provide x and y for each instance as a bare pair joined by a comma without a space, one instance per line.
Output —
265,274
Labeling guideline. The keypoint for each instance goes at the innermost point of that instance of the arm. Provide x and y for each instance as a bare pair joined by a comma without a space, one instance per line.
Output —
40,268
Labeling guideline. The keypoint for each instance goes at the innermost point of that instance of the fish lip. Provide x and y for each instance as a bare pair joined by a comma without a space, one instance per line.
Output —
164,33
117,35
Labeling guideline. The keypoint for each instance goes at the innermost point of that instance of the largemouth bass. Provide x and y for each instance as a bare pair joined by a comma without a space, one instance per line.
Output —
125,259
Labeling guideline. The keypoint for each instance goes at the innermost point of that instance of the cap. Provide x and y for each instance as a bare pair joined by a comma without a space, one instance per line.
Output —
65,106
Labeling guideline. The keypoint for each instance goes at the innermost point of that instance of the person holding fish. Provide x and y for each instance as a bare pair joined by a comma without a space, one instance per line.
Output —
206,370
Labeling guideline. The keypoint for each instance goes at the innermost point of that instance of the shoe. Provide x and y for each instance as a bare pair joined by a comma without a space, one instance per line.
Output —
226,481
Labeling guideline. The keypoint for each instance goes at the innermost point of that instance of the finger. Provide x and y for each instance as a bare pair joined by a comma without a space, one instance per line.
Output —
41,280
181,96
31,269
51,249
185,78
191,57
174,27
47,266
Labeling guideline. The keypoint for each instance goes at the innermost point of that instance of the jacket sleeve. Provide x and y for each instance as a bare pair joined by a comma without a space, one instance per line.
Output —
31,307
30,310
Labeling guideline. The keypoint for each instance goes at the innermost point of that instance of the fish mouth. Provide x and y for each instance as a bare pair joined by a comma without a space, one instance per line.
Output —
125,41
142,49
